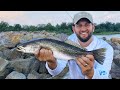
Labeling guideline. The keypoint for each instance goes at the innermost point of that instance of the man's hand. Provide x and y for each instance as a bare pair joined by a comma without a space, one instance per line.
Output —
86,64
46,55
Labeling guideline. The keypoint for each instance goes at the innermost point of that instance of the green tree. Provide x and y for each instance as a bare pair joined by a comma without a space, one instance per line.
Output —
41,27
17,27
32,28
4,26
49,27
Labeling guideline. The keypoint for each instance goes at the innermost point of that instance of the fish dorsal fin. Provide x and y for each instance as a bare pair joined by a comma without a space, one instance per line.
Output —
74,44
54,38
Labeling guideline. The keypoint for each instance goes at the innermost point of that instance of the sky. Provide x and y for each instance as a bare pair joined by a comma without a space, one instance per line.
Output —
54,17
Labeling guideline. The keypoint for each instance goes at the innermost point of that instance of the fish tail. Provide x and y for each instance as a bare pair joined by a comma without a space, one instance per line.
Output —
99,55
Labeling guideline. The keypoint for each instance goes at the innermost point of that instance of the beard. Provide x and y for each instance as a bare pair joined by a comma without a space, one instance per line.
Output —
84,39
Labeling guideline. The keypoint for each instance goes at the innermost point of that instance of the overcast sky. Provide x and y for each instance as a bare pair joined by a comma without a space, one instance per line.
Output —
54,17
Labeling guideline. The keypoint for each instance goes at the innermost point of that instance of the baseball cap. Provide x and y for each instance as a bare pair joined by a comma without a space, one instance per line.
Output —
80,15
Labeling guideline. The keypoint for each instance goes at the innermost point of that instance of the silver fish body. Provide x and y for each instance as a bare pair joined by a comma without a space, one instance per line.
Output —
60,49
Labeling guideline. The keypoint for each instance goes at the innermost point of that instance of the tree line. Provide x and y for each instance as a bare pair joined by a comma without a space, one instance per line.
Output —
103,28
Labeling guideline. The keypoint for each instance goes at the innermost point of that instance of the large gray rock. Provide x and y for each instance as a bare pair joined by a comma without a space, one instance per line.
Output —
114,45
5,72
116,60
1,54
116,52
115,71
42,68
16,75
62,36
22,65
3,64
2,47
44,76
11,54
115,40
35,65
33,75
3,68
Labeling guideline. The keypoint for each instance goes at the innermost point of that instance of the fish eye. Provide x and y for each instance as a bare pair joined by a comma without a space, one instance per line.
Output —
18,48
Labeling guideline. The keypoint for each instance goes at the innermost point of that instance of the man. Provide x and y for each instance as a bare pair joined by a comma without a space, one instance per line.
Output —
85,67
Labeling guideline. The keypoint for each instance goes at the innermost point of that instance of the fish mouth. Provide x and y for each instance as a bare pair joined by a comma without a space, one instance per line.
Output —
20,48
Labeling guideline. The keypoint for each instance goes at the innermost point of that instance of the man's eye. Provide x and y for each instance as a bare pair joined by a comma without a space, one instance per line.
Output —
87,25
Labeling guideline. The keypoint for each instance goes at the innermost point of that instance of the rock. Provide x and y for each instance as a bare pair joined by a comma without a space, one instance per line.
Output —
5,72
26,37
115,71
6,54
3,68
62,36
104,38
33,75
116,52
1,54
36,75
42,68
35,65
2,47
16,75
11,54
114,39
15,38
116,60
10,38
44,76
118,47
114,45
3,64
22,65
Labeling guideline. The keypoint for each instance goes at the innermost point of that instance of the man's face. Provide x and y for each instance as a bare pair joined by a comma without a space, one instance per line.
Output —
83,30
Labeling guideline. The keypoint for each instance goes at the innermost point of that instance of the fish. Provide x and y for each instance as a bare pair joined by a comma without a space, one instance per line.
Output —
64,50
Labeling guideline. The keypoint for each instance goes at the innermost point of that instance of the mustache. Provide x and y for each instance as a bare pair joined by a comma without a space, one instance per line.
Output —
84,39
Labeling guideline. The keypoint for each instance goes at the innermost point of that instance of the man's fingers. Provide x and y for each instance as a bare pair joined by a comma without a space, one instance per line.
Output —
81,65
37,52
82,61
45,54
50,52
91,57
86,60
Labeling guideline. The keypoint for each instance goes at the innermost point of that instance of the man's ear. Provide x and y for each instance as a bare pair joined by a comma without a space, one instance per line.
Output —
93,28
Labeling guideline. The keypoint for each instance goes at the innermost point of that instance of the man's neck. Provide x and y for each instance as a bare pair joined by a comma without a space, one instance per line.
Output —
85,44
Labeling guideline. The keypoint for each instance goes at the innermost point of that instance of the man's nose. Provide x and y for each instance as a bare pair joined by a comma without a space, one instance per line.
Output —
83,28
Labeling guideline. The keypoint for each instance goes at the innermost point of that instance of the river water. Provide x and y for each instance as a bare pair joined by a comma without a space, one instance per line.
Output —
108,37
